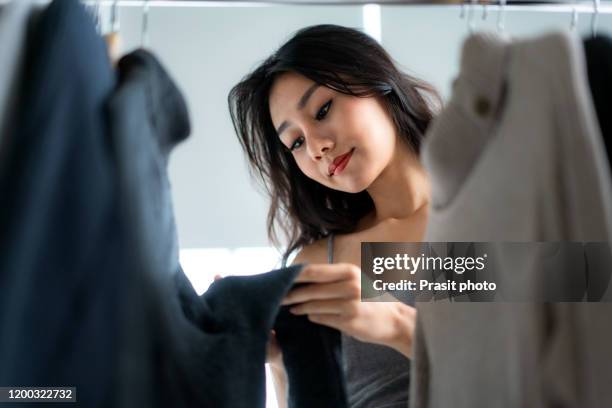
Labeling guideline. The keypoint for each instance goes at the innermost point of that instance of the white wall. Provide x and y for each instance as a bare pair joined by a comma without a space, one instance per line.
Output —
426,40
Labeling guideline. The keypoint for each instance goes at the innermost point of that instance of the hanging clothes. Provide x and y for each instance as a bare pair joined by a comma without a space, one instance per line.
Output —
91,291
516,156
210,350
61,261
598,54
147,118
14,18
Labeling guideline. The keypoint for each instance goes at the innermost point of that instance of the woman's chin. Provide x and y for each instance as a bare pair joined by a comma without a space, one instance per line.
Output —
350,186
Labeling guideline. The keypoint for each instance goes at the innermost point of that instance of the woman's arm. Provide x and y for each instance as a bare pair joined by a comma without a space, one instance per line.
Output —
274,359
279,378
404,322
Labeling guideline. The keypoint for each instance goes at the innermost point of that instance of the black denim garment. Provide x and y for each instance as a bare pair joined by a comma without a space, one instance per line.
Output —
312,356
60,259
598,54
210,349
91,291
147,118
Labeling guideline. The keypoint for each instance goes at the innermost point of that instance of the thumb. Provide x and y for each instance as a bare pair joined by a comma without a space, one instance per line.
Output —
217,277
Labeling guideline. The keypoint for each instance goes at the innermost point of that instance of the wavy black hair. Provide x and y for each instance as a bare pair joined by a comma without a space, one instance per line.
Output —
345,60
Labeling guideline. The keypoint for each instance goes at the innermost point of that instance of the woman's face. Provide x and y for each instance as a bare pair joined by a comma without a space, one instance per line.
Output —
343,142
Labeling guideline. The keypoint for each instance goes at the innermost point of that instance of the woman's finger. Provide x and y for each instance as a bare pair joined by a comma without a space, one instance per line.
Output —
346,289
329,306
331,320
328,272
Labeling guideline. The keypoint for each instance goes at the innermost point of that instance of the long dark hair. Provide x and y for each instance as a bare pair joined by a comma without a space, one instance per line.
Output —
345,60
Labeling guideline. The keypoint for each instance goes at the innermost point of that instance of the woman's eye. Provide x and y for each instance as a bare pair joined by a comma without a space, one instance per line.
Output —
324,109
298,142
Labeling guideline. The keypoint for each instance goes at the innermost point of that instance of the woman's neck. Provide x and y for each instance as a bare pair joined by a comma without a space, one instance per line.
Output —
402,189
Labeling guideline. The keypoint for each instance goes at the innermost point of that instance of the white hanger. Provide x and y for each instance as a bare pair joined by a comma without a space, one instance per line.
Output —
501,16
594,18
115,17
144,35
471,12
94,10
574,21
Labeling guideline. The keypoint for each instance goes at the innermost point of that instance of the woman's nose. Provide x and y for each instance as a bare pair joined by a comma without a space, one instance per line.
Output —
319,146
320,156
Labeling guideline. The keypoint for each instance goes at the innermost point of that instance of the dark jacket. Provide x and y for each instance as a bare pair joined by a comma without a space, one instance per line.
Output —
60,259
209,350
598,55
91,291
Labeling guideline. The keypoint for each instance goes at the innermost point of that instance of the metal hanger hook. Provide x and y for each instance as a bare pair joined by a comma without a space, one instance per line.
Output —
594,18
471,12
501,16
144,35
574,21
94,10
115,16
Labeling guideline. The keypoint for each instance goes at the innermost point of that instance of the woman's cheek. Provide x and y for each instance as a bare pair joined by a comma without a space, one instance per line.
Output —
309,169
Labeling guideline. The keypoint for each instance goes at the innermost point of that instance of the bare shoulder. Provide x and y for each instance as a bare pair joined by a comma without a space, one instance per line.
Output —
312,253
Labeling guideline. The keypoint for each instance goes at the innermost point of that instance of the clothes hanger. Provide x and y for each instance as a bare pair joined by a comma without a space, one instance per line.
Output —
471,12
485,11
501,17
98,17
144,34
574,20
113,39
94,10
594,18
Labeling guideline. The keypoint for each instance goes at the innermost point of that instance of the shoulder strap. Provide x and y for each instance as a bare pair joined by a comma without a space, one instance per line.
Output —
330,248
330,252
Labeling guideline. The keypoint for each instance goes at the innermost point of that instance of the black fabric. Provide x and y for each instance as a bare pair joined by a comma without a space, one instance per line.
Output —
598,53
211,350
312,356
60,256
148,117
91,291
218,358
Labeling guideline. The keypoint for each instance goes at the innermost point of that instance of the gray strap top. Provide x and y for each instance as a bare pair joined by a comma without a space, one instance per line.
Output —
376,376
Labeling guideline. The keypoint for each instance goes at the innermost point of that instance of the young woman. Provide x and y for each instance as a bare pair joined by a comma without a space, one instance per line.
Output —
333,129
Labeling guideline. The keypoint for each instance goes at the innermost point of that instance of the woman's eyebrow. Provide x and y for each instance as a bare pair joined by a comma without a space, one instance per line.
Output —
303,101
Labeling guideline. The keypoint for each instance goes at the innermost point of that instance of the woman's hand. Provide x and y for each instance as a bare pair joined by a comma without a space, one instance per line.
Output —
333,298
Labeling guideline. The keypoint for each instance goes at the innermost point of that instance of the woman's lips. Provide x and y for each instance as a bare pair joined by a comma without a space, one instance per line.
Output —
340,163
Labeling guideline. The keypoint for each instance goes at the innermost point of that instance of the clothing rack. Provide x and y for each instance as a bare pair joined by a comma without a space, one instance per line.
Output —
560,6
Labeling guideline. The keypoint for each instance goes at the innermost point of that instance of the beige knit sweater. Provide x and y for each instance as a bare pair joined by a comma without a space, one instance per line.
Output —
516,155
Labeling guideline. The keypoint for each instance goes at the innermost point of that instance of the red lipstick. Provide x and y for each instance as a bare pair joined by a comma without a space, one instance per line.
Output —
339,163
